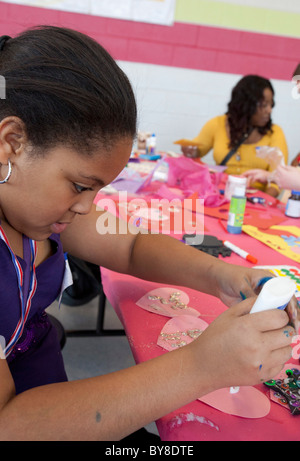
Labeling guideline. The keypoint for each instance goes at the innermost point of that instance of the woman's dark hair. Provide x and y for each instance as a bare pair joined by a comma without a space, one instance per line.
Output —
66,88
296,71
245,96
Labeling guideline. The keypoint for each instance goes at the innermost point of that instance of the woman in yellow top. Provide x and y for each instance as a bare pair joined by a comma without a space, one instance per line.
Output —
247,121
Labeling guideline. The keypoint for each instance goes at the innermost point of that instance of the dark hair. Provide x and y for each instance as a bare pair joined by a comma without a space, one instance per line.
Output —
66,88
245,96
296,71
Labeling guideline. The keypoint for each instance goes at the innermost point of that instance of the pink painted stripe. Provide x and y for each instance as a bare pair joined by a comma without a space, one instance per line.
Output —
182,45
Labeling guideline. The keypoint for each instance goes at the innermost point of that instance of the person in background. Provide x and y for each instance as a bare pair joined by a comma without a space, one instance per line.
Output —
296,160
296,78
66,129
285,176
246,125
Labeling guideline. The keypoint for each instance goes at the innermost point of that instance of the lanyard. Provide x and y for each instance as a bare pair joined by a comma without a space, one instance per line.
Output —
25,303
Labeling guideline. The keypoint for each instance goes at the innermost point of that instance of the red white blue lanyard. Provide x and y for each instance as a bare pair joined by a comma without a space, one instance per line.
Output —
25,304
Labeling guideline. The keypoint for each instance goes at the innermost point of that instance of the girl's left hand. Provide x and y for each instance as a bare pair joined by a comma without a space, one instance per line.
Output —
238,282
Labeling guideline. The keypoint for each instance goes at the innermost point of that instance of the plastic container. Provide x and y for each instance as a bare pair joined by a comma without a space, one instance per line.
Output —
161,172
151,145
275,294
236,211
232,183
293,205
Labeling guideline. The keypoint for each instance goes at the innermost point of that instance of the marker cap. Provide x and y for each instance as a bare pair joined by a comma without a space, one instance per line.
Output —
251,259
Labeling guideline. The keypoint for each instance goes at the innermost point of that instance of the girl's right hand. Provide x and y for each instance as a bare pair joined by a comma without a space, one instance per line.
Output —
243,349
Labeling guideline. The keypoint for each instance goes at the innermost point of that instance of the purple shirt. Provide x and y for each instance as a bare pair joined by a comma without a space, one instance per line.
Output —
36,358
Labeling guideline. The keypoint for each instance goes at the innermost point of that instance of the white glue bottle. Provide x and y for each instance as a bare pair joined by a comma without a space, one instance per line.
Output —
151,145
276,293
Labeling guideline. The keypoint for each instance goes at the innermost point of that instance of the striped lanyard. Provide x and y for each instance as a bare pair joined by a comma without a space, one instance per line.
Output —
25,303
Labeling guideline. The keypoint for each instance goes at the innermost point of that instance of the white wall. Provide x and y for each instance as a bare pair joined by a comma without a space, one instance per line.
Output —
174,103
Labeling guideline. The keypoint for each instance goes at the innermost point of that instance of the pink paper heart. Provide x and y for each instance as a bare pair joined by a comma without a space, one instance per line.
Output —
246,402
180,331
167,301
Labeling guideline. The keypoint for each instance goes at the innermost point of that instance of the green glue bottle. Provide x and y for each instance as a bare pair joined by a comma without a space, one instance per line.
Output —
236,211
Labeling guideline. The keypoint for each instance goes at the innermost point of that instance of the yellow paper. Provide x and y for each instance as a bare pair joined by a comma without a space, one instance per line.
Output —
186,143
277,242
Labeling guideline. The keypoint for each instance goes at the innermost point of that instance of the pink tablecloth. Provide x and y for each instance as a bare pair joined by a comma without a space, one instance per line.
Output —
198,421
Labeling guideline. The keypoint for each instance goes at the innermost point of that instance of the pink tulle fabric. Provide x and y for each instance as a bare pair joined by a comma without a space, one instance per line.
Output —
191,177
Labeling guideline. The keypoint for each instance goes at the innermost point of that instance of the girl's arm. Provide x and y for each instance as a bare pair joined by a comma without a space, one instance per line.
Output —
157,258
229,352
236,349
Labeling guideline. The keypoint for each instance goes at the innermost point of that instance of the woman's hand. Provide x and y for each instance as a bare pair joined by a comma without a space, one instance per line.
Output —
287,177
256,175
190,151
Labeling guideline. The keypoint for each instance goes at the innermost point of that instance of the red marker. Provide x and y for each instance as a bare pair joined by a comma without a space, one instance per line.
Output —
240,252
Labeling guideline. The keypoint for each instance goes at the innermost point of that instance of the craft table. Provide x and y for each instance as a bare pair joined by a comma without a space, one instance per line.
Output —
199,421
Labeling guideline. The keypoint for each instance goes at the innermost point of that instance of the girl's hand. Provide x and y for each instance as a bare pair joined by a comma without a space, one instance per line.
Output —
242,349
238,283
235,283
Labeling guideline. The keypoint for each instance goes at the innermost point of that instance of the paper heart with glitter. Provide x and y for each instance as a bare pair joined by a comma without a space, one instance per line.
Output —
179,331
245,401
167,301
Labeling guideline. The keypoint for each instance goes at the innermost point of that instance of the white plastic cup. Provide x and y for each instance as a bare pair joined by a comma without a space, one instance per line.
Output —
232,183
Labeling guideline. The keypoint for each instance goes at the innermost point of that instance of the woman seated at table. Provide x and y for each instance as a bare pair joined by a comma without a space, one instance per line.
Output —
246,125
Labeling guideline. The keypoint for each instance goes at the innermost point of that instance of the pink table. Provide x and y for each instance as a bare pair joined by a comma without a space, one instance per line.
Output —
198,421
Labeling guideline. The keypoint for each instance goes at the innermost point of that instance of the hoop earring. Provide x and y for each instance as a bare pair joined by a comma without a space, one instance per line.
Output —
8,173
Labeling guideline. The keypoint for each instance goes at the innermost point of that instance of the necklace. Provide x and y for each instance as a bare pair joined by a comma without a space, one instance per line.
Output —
245,136
25,301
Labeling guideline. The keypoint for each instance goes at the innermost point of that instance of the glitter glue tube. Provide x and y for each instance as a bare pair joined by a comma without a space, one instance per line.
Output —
236,211
275,294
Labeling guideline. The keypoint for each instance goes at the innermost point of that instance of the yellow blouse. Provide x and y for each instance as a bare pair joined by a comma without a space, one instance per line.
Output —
214,136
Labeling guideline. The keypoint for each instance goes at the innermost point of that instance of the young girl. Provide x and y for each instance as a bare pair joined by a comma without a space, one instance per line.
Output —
66,129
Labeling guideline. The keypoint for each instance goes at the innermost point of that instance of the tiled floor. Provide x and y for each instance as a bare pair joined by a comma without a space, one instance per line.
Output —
85,357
